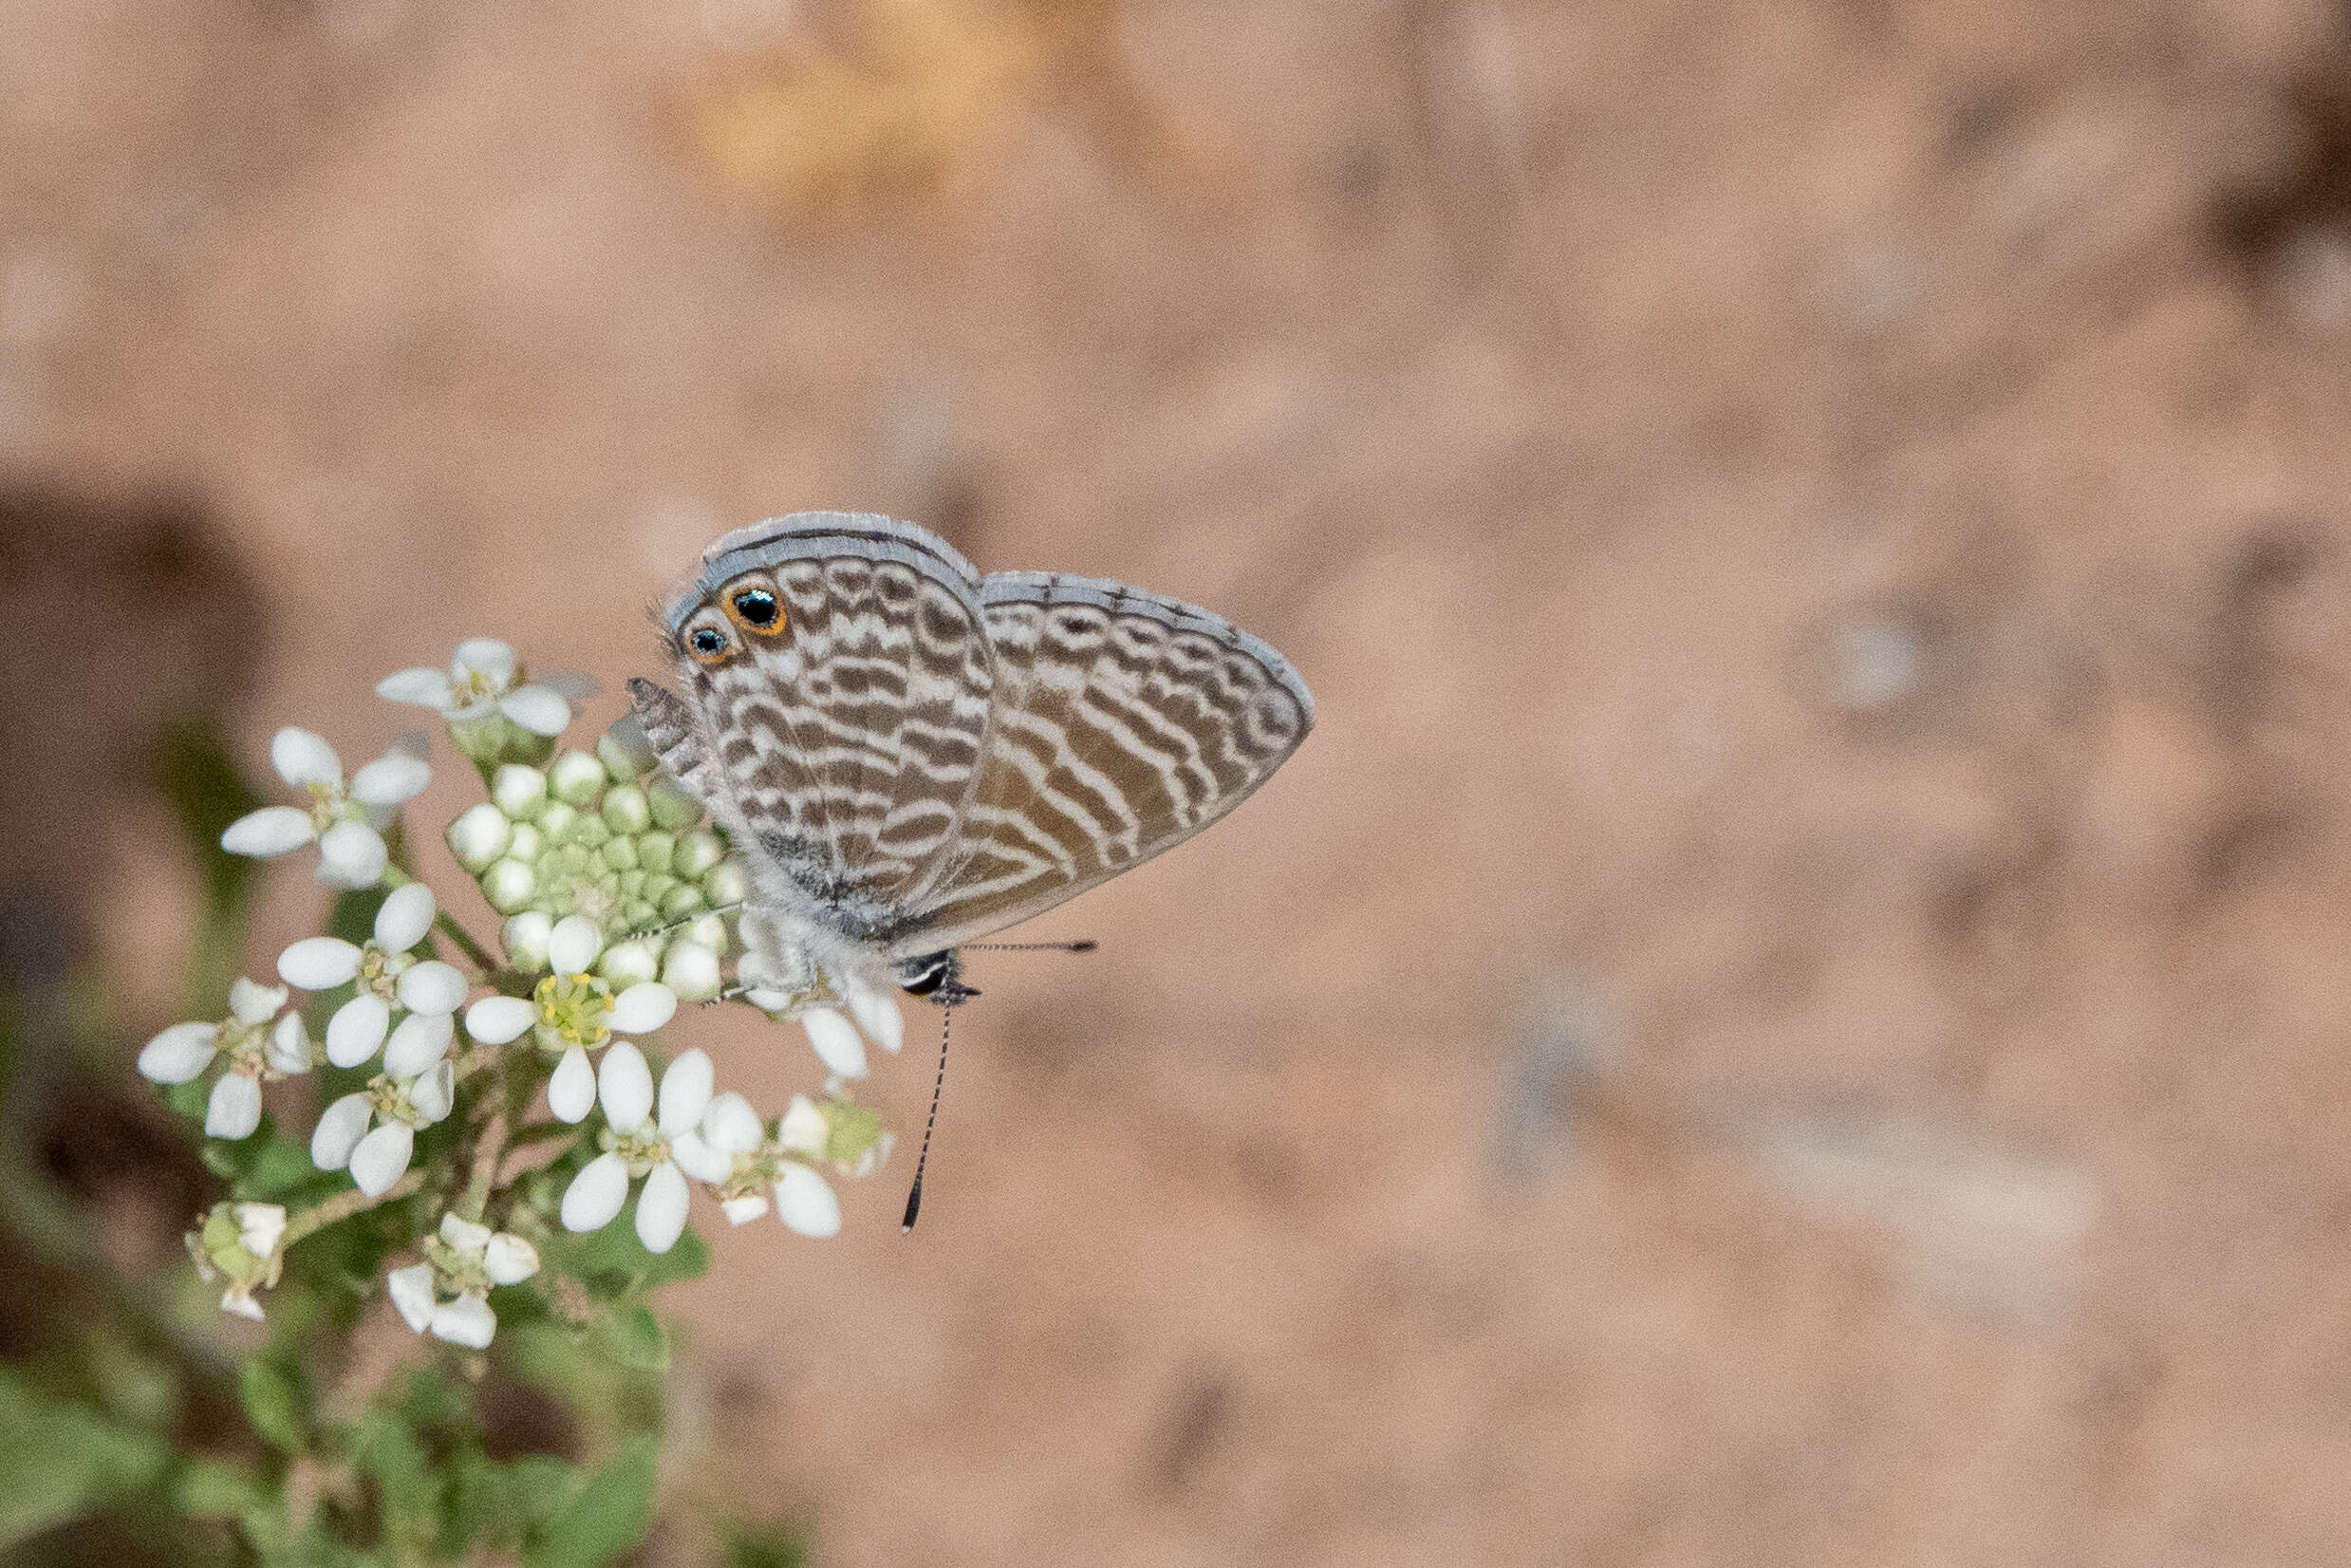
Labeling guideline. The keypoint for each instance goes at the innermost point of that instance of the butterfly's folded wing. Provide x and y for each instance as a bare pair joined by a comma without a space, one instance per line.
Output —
1124,722
849,743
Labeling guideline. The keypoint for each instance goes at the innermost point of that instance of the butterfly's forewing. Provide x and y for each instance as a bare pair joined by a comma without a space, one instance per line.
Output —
847,740
1124,723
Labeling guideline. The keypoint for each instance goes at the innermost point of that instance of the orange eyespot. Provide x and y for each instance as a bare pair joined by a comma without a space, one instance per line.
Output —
752,606
706,641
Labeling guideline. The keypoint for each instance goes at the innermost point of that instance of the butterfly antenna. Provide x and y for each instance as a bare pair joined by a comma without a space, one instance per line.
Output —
914,1194
1087,946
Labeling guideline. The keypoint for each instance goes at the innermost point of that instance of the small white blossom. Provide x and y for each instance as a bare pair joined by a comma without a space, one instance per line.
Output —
345,821
625,1089
464,1262
245,1245
485,678
377,1155
254,1041
574,1012
386,974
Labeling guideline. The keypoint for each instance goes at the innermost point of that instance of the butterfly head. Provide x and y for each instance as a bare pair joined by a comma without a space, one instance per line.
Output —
938,976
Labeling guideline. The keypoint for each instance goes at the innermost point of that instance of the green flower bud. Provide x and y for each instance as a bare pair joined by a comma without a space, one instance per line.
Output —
727,883
508,885
557,821
575,858
655,850
628,963
709,931
680,901
479,835
528,843
697,854
672,807
640,914
692,970
591,833
525,939
620,853
657,885
519,792
625,809
576,777
629,883
622,751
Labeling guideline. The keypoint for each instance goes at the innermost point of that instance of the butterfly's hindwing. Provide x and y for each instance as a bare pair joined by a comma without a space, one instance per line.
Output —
1124,723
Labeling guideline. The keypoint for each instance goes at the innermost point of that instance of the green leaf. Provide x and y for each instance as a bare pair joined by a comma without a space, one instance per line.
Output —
59,1460
764,1546
544,1485
612,1263
612,1513
273,1404
637,1340
206,1488
387,1450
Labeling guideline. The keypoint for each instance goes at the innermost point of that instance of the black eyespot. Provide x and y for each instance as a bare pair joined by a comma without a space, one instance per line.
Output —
757,608
707,643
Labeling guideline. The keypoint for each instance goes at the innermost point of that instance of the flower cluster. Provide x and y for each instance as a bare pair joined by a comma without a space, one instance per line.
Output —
619,901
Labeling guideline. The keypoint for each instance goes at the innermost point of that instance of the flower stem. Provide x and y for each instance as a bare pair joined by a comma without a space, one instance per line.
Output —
343,1206
447,924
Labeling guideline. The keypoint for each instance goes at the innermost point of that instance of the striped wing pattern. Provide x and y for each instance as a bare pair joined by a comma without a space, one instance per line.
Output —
1125,723
929,755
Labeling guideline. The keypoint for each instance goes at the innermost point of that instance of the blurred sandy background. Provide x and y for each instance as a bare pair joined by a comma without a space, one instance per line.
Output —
1793,1011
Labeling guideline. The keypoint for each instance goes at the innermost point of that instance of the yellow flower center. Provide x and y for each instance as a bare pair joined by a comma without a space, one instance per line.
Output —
576,1007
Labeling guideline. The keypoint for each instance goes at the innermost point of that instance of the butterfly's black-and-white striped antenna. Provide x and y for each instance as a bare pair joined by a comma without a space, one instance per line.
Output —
942,981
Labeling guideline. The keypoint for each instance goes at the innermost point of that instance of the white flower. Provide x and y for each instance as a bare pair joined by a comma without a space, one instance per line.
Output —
727,1151
243,1242
377,1155
574,1012
625,1088
386,973
466,1260
345,821
485,678
252,1040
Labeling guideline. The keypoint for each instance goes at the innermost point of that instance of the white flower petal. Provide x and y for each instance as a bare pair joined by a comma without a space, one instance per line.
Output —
691,971
731,1126
179,1053
234,1108
406,916
686,1092
625,1087
303,759
467,1321
542,710
340,1127
391,779
381,1157
432,987
271,830
877,1015
805,1201
356,1032
463,1234
238,1300
643,1008
319,964
421,1040
261,1227
424,687
744,1209
488,656
252,1003
804,1130
350,854
434,1093
571,1089
411,1290
699,1161
287,1050
661,1207
837,1043
494,1021
508,1259
596,1194
574,944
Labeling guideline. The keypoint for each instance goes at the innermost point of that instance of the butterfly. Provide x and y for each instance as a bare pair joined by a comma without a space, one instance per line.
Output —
910,755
